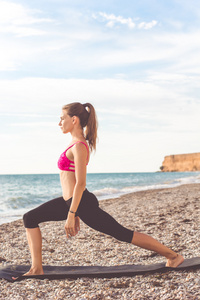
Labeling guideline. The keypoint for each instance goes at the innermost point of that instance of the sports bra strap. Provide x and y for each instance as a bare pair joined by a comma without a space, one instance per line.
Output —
83,144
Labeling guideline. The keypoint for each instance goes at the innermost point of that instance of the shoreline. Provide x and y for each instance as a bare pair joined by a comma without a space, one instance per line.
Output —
129,194
171,215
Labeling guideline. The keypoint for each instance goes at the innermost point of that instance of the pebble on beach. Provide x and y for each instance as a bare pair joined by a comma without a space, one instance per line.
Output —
170,215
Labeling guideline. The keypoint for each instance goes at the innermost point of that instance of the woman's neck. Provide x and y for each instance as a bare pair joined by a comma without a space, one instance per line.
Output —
77,135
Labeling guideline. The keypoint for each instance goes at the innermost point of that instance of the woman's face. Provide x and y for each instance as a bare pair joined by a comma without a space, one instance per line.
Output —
66,122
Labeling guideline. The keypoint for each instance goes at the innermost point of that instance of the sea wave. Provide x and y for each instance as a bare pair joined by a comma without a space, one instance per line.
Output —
107,193
30,191
189,180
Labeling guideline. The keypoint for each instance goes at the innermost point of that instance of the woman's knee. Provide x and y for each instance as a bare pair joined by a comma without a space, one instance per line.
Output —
30,220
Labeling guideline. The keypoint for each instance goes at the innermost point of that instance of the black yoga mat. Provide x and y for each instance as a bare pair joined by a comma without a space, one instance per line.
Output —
61,272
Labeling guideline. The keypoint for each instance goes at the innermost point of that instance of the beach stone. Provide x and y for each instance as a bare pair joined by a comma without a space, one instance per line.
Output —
197,281
92,248
2,259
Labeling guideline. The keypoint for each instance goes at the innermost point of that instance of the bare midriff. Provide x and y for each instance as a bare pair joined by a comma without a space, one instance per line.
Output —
68,181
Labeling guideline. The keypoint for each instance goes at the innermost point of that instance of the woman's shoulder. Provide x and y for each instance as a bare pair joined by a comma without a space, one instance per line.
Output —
80,148
80,144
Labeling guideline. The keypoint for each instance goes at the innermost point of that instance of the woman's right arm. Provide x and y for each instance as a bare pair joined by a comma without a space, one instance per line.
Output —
80,160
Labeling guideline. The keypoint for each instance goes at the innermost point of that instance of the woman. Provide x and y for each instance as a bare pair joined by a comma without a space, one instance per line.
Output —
77,202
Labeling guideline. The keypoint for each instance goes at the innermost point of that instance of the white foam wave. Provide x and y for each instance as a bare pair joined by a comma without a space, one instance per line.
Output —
12,207
189,180
11,215
107,193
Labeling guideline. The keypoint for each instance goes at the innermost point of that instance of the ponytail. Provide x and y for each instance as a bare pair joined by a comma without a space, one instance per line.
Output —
88,120
91,127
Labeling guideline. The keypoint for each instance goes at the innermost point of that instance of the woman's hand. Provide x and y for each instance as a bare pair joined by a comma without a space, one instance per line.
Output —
77,225
72,225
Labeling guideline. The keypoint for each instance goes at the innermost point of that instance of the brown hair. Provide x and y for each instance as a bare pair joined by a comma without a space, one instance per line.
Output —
88,120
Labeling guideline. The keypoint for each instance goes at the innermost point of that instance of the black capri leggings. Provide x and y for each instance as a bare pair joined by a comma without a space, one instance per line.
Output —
88,211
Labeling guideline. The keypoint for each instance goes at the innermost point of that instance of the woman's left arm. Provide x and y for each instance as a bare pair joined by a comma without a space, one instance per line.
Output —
80,160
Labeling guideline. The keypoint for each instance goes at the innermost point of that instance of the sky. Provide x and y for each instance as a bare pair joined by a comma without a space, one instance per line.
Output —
137,62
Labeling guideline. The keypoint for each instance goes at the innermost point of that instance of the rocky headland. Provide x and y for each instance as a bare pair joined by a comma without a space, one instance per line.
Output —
181,163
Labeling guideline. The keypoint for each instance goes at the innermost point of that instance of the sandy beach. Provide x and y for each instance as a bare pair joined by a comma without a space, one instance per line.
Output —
170,215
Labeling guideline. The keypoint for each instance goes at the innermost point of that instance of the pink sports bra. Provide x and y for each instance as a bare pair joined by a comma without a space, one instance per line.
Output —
65,164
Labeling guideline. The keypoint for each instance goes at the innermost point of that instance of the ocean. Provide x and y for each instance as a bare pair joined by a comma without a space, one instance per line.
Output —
20,193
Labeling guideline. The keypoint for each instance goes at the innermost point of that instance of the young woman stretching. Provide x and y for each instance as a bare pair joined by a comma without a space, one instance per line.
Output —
77,202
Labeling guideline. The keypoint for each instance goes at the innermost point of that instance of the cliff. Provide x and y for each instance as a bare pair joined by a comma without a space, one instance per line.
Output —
181,163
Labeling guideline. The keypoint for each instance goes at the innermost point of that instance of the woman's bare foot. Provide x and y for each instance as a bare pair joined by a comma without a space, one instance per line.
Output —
32,271
175,262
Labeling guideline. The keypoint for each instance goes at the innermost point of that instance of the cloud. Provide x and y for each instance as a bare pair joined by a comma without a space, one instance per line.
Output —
33,124
112,20
88,50
159,99
147,25
143,83
18,20
157,113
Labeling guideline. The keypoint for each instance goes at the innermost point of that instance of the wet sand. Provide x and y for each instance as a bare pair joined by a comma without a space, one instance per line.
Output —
170,215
